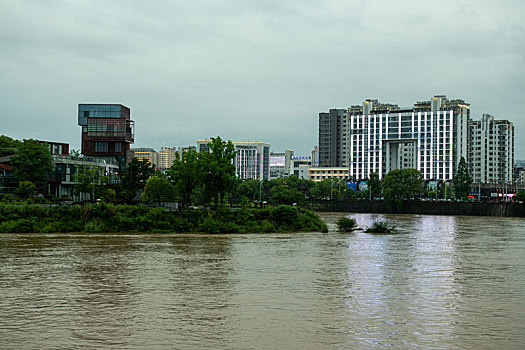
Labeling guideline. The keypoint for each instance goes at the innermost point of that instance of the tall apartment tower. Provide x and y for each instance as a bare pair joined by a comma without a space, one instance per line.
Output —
333,138
107,132
492,150
431,136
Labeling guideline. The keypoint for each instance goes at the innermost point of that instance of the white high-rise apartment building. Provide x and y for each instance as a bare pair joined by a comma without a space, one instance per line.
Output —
492,156
431,137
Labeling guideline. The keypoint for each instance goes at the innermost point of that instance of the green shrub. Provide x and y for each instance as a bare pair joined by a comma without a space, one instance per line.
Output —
346,224
229,227
267,227
209,225
284,215
95,226
17,226
381,226
181,225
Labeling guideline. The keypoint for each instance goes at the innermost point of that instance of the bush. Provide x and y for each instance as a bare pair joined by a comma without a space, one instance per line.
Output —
285,215
346,224
209,225
267,227
381,226
95,226
17,226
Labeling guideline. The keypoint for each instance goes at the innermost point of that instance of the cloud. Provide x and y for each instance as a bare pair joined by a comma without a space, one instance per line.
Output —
251,70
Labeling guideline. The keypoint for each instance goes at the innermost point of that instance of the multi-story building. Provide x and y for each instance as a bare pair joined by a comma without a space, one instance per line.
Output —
107,132
148,154
300,165
315,156
333,138
431,136
252,160
167,156
318,174
280,163
492,156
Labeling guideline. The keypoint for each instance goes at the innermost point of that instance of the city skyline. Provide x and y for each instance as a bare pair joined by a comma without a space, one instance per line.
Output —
260,71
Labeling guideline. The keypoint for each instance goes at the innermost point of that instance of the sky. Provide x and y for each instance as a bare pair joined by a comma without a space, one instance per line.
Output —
258,70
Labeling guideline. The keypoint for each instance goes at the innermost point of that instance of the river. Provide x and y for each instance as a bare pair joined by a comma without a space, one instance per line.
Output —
443,283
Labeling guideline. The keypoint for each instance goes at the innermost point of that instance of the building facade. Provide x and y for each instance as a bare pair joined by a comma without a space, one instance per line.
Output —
107,132
318,174
492,157
280,163
333,138
148,154
315,156
431,137
252,160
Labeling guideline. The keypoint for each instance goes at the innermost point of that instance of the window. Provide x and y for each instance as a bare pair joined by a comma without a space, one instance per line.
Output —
118,147
101,147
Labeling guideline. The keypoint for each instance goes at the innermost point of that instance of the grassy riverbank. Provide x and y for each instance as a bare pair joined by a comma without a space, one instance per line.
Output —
102,217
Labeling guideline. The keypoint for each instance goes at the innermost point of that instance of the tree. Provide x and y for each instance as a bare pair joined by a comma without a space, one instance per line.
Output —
135,176
158,189
219,169
402,184
286,195
8,145
520,196
185,174
87,179
374,184
25,189
32,162
462,180
249,188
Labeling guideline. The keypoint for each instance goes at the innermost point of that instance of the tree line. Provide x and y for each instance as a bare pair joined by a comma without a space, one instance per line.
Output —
208,178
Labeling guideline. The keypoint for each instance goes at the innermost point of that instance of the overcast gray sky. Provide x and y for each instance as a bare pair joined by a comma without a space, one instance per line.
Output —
257,70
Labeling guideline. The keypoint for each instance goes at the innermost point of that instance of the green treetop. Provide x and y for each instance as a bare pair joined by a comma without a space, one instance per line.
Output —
462,180
32,162
402,184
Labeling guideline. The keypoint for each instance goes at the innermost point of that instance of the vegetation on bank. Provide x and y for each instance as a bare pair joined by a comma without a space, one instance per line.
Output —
381,227
106,217
346,224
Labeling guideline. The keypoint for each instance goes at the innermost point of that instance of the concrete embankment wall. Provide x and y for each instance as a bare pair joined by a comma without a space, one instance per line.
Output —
423,207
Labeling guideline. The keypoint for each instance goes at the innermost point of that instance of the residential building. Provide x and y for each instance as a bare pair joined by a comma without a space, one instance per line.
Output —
492,157
57,148
167,156
148,154
519,172
431,136
280,163
62,179
333,138
107,132
252,160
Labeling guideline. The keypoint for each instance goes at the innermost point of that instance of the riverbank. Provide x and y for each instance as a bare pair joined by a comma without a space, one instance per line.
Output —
103,217
422,207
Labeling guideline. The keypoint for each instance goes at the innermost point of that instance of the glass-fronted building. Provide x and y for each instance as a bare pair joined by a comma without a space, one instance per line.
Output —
107,131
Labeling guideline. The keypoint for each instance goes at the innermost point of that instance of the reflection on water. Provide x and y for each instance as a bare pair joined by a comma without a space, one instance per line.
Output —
443,283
